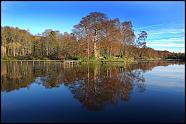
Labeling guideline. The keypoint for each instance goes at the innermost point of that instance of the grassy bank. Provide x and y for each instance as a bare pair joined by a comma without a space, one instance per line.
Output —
82,61
89,60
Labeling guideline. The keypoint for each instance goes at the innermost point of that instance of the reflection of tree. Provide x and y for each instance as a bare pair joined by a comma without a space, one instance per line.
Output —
109,86
15,75
93,85
145,66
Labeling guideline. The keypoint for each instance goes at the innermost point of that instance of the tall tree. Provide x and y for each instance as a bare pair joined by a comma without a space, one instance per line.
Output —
90,27
128,36
141,42
111,33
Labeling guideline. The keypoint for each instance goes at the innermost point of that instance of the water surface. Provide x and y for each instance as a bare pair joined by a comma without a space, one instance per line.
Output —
53,92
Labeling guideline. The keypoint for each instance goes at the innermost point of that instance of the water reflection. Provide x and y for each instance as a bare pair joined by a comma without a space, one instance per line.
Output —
92,85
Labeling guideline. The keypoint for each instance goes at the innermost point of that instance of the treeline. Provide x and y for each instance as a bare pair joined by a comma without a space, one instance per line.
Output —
95,37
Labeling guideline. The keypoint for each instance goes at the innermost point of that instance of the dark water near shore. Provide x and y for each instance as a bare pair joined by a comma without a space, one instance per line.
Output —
53,92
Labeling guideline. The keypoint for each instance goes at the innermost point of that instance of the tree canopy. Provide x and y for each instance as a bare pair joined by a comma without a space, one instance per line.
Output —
95,36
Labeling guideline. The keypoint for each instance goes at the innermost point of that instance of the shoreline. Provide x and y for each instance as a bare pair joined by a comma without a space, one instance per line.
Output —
96,61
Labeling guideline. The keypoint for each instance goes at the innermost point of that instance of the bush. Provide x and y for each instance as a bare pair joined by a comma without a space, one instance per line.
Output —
74,58
7,58
45,58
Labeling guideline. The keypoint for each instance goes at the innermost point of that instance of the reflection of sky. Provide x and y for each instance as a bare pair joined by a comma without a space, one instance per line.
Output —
171,77
34,94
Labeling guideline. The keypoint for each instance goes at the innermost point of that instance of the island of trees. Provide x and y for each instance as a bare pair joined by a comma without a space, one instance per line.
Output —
96,37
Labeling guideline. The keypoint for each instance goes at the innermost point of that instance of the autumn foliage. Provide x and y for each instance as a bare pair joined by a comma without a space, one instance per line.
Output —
95,36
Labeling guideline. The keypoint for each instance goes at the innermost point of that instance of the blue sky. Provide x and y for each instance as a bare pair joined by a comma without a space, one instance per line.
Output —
163,21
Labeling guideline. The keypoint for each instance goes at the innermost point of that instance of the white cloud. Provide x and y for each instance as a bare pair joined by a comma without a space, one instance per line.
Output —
168,40
170,44
160,29
158,32
166,45
169,37
177,50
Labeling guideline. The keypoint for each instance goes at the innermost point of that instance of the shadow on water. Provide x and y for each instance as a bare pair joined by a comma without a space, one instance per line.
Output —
92,85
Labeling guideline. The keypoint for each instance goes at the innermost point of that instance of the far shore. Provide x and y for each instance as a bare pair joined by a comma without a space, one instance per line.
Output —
102,61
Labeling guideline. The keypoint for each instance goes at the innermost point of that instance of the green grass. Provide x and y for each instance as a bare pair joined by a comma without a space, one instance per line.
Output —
81,59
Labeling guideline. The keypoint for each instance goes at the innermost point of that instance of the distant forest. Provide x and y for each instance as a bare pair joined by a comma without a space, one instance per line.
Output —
95,37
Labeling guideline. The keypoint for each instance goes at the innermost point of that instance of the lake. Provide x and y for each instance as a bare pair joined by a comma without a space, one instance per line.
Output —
54,92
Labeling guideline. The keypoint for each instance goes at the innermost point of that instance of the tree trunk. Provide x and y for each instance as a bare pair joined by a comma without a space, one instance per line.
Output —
124,52
14,52
110,50
23,52
95,45
95,51
3,51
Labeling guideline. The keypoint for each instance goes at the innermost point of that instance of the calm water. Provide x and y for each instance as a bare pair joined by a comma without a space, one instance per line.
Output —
53,92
